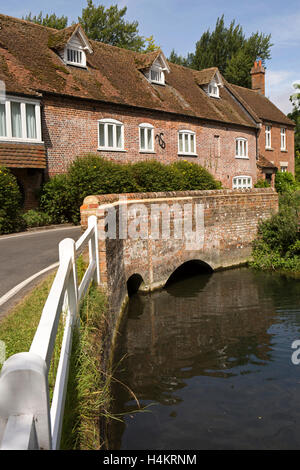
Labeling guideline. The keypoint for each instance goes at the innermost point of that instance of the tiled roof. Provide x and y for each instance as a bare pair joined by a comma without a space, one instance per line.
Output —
262,106
29,66
22,155
203,77
263,162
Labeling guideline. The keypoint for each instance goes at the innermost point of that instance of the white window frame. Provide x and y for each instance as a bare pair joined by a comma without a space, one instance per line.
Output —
159,70
282,138
241,147
189,133
115,123
146,126
213,89
75,50
23,102
238,182
268,137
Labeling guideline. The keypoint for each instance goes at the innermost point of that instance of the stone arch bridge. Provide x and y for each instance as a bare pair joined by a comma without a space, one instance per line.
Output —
147,236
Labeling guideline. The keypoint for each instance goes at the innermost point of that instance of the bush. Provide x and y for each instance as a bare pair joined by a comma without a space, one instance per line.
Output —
285,182
261,183
10,203
62,196
153,176
277,245
56,200
93,175
35,218
193,176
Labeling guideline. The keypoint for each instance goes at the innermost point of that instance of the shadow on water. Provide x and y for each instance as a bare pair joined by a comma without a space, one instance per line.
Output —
211,354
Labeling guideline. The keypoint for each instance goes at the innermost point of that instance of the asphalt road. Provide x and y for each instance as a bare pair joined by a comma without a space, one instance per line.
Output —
25,254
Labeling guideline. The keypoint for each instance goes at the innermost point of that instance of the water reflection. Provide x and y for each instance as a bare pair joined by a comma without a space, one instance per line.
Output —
179,346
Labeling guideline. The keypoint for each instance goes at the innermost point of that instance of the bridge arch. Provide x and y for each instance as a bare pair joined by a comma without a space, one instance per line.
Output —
134,282
190,267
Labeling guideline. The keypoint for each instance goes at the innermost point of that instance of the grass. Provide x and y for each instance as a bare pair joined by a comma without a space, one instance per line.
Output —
88,394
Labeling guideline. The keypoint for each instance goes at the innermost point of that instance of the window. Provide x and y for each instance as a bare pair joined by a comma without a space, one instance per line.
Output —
242,182
187,143
157,75
75,56
282,138
111,135
268,137
146,138
217,146
241,148
213,89
20,120
283,167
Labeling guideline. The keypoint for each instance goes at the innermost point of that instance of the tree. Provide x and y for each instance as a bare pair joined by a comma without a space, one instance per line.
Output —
179,59
108,25
228,49
52,21
295,116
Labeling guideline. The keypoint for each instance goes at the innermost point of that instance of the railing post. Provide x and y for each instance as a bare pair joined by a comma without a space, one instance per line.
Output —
67,250
24,392
93,247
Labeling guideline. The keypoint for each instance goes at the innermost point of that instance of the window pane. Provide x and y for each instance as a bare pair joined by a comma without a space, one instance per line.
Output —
186,142
119,137
180,143
2,121
193,143
16,123
142,138
110,142
101,135
149,141
30,121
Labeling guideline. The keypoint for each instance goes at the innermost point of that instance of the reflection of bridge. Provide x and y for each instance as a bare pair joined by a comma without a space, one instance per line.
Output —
224,224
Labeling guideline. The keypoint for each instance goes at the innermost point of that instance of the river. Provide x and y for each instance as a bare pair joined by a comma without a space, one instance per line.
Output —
206,364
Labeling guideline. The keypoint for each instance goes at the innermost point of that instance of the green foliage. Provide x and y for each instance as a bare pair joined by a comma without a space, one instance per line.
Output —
277,245
93,175
108,25
193,176
55,199
261,183
153,176
285,182
52,21
10,203
36,218
228,49
62,196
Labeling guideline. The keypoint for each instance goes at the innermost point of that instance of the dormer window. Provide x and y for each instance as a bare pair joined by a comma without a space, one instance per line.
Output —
154,66
157,75
72,45
76,57
213,89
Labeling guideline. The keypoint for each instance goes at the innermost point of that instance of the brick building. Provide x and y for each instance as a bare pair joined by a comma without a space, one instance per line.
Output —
67,96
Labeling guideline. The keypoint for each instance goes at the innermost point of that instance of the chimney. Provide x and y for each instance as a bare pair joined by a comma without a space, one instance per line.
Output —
258,77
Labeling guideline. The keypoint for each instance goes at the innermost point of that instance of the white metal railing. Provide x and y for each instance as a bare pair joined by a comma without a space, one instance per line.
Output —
26,419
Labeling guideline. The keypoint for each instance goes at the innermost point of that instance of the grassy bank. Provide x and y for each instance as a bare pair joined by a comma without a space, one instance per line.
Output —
88,388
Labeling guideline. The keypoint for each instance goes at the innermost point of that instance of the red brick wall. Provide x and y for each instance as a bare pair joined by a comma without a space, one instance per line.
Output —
276,155
70,129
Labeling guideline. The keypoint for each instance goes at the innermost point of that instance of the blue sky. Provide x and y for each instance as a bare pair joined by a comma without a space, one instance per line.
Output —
179,24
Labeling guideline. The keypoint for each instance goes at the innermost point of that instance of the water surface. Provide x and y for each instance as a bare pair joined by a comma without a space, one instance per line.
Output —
209,359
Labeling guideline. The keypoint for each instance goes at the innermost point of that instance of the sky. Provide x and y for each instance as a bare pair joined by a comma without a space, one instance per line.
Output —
179,24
